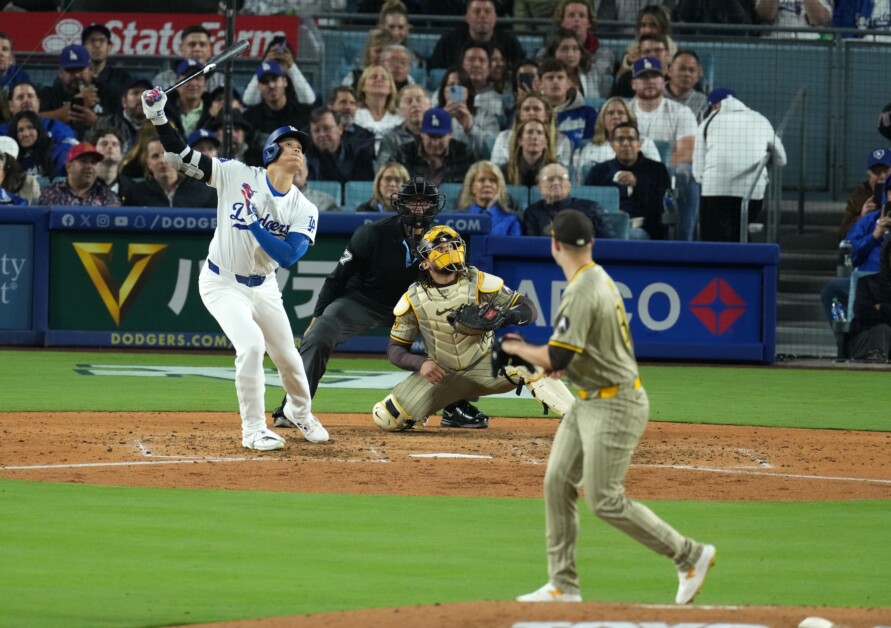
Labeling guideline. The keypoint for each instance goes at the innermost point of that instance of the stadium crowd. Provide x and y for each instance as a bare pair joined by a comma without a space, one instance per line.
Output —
490,118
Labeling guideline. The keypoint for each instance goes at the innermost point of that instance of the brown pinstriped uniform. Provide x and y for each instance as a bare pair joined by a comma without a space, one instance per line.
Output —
423,311
598,435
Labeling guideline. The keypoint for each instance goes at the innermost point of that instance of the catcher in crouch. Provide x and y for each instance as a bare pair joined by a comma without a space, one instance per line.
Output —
457,338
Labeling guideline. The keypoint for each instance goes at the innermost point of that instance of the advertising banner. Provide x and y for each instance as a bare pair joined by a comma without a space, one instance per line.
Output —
143,34
689,301
16,276
141,290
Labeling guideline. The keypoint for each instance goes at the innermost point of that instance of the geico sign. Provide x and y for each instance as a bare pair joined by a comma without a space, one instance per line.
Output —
651,293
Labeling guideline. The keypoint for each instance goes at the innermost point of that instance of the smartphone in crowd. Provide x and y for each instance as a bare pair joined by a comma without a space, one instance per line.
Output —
526,79
279,42
78,100
877,192
458,94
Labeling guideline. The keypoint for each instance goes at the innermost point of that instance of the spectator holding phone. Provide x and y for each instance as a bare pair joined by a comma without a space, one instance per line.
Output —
280,51
74,97
867,236
470,125
867,196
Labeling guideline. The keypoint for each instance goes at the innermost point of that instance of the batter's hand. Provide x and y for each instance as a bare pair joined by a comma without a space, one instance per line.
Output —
153,101
431,371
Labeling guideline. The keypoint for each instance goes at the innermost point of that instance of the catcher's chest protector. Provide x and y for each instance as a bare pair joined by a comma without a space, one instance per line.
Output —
449,349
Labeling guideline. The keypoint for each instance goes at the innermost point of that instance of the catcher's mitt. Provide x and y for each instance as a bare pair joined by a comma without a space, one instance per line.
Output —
500,360
474,320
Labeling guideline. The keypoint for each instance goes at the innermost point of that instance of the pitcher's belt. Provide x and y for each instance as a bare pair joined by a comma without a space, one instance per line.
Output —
609,391
251,281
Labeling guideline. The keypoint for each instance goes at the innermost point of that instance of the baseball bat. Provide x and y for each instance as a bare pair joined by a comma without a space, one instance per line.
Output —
212,63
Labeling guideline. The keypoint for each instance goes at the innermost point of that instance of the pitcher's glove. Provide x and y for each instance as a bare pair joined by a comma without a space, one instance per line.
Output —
474,320
500,359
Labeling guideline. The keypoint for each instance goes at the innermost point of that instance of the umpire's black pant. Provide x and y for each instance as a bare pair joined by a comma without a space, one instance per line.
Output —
344,318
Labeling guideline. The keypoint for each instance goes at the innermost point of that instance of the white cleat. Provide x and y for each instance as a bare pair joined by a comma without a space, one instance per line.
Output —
550,593
312,430
690,581
263,440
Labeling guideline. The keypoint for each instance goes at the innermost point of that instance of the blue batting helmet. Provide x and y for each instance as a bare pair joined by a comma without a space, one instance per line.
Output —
271,150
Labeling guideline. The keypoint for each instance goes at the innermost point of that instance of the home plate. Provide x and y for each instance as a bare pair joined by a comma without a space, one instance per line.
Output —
447,455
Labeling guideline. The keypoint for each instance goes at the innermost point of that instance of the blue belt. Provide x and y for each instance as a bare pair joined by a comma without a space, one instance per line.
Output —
250,281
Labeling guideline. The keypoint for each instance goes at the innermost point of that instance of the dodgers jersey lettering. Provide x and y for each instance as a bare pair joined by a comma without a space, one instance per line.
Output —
233,247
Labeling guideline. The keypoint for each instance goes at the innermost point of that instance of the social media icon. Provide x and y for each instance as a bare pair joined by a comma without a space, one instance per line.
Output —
102,220
120,221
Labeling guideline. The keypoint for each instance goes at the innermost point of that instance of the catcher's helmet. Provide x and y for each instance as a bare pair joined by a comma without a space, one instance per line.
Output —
448,260
271,150
418,193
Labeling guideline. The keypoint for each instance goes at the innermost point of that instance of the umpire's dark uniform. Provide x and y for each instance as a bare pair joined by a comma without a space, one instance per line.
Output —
375,270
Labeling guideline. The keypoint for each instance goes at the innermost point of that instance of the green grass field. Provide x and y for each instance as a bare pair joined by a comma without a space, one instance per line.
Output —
75,555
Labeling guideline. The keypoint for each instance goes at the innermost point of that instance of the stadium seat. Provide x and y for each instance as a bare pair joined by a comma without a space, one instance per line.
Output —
621,223
452,191
329,187
520,193
355,193
434,78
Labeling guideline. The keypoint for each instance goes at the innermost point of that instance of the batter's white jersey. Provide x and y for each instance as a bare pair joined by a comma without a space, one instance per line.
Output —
233,247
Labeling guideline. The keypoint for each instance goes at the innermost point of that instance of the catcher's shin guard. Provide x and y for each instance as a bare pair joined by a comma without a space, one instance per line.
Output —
552,393
390,417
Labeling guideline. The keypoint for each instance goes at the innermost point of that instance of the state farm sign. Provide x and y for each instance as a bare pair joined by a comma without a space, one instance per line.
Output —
143,34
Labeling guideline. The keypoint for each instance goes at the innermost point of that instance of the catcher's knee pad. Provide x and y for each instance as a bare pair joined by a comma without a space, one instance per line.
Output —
389,416
551,392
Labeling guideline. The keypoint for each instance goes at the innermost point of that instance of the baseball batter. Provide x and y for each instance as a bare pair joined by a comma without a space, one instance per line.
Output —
597,436
454,366
263,222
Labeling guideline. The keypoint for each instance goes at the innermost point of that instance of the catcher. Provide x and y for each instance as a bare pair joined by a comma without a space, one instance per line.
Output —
455,308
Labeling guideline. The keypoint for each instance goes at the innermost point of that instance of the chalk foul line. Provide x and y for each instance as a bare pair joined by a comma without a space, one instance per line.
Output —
800,476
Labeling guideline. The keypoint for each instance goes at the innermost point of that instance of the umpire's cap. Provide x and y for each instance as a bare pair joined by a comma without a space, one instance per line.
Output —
572,227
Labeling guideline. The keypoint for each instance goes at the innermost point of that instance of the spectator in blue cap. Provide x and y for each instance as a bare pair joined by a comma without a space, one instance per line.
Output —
74,97
664,120
864,198
730,145
436,156
205,142
717,95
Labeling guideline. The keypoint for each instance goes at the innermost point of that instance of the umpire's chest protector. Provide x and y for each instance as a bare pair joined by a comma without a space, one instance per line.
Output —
432,304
